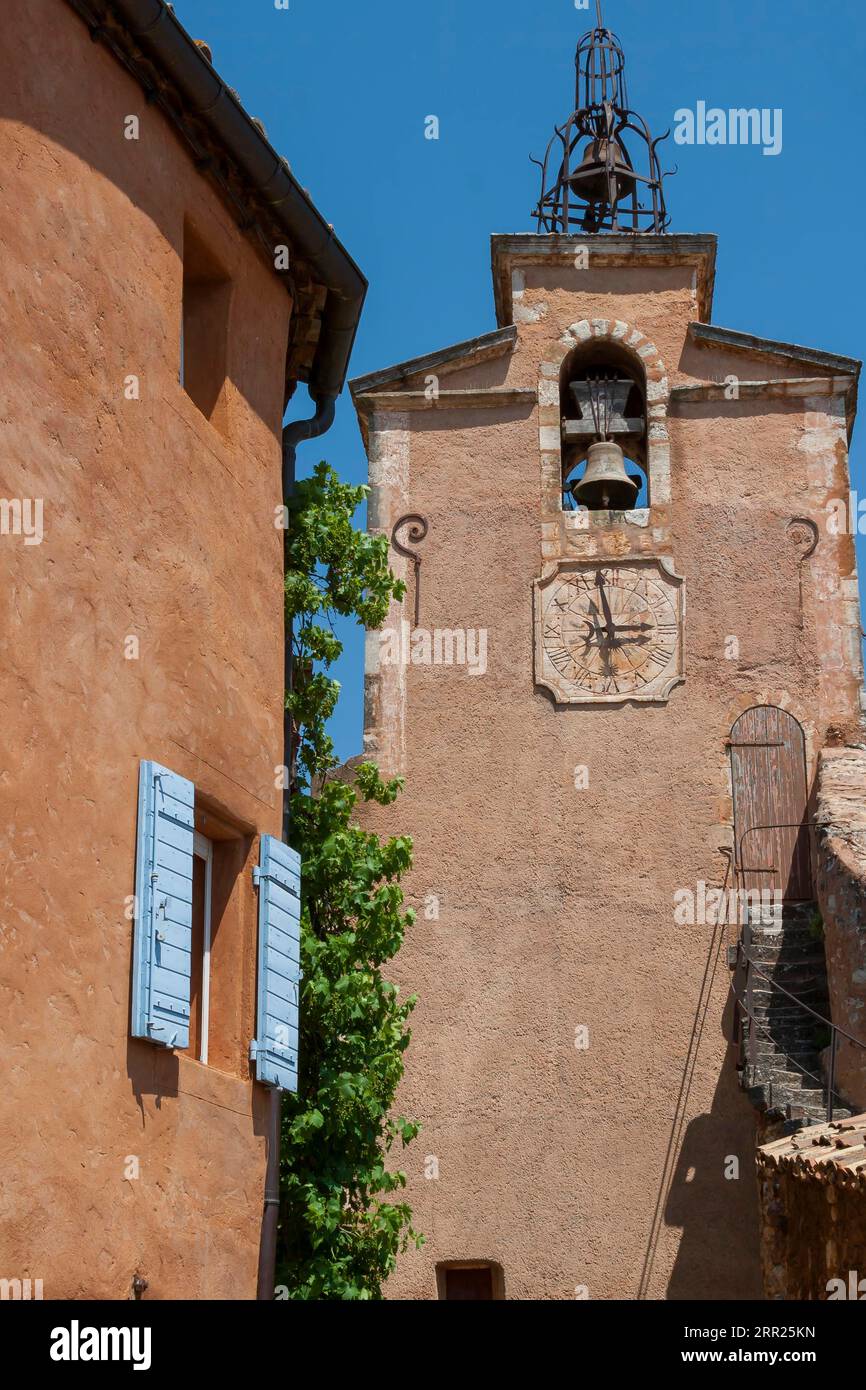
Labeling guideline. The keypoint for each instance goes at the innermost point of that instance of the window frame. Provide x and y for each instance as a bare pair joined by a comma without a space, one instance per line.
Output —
203,849
206,298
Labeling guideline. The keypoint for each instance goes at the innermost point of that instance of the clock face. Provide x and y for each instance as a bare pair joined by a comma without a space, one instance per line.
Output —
609,632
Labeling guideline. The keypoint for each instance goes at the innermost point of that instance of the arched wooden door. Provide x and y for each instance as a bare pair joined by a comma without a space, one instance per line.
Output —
768,772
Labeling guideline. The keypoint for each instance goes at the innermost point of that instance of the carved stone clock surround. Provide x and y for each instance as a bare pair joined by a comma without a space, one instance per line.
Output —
573,597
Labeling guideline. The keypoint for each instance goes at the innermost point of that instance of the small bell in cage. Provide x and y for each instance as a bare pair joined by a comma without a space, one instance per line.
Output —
602,160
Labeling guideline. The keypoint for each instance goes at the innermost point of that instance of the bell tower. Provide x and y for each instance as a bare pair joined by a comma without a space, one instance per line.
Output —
611,516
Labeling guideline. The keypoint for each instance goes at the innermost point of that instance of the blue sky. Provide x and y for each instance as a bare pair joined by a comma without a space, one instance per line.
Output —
344,87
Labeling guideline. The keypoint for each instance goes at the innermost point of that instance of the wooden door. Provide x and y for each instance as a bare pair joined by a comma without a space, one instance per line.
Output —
768,769
469,1283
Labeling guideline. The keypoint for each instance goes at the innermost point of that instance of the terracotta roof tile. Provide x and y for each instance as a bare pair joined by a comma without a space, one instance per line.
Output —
833,1152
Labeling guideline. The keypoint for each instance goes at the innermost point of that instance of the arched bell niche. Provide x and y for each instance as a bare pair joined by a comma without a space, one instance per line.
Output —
598,347
602,398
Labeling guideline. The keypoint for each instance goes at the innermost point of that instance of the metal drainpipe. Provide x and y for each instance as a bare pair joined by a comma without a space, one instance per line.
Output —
293,435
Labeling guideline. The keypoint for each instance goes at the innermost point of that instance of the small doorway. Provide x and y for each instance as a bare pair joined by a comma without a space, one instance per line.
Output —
465,1280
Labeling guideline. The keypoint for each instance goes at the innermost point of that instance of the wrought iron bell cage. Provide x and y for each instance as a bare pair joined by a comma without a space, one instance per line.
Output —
596,186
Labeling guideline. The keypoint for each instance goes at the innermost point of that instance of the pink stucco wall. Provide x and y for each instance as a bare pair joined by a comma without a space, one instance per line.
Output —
600,1170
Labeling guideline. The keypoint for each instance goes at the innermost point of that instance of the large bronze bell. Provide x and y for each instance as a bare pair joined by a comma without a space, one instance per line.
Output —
589,180
605,485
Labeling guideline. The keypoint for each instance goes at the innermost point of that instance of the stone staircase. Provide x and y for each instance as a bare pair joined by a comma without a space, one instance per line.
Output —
782,1071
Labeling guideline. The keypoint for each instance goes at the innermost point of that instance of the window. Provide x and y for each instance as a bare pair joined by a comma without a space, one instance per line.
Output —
192,990
603,410
202,908
204,328
228,1009
462,1280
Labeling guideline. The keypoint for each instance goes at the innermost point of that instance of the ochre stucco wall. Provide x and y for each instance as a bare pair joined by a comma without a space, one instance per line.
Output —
157,526
604,1168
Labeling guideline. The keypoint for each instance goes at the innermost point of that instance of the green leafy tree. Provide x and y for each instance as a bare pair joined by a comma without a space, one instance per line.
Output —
341,1227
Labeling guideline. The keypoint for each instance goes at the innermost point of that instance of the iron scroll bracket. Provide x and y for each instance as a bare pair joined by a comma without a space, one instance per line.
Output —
418,528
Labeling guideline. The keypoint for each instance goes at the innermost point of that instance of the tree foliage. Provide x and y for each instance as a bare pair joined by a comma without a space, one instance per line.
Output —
341,1227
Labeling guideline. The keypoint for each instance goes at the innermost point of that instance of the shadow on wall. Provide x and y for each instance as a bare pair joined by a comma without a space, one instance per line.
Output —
719,1251
152,1071
718,1215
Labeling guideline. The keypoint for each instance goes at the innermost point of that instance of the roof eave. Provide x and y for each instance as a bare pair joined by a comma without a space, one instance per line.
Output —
160,37
465,354
709,335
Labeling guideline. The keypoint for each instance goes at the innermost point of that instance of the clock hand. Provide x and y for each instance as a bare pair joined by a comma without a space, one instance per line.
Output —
605,651
608,644
599,630
599,640
608,616
603,642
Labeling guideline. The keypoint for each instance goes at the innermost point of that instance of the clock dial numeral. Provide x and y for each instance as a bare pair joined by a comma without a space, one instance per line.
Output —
660,655
561,659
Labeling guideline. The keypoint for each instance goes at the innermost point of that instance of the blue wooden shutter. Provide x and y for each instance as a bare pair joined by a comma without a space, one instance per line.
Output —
163,917
275,1050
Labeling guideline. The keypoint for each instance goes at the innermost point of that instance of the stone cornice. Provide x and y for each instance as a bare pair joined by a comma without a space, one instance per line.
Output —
798,387
792,388
495,397
466,354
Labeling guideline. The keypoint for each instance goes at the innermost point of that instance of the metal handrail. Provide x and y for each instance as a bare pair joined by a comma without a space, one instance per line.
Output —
835,1030
804,1071
801,1002
755,869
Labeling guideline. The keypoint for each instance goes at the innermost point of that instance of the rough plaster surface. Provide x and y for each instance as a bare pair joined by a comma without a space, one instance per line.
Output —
841,822
157,526
601,1168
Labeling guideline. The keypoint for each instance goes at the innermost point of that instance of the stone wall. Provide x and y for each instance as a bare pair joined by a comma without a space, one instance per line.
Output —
840,820
813,1212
